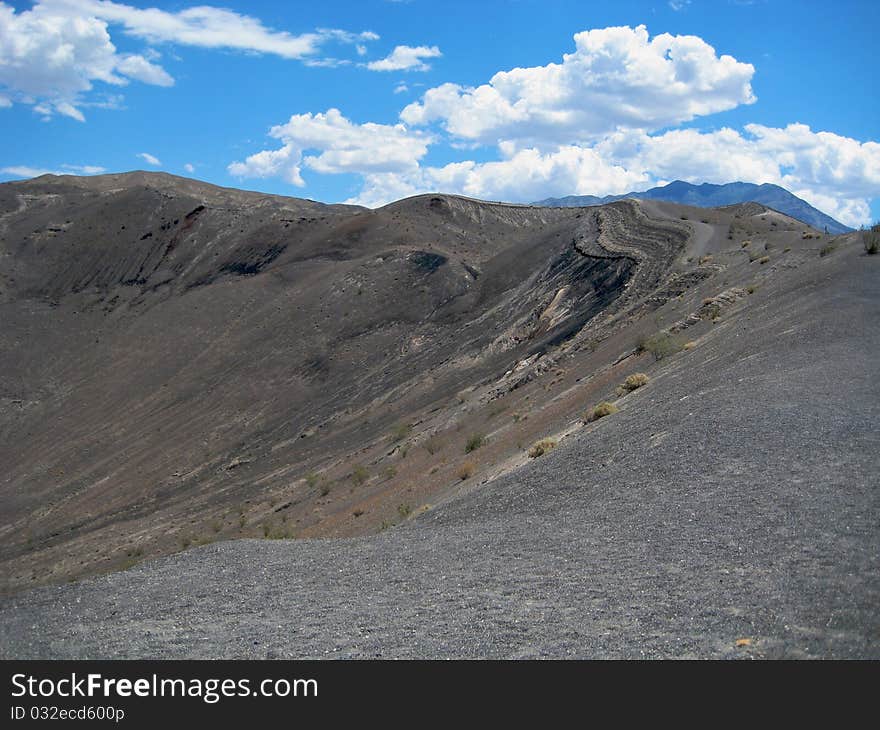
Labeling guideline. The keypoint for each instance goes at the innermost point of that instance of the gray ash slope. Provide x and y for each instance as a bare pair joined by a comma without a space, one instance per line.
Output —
734,497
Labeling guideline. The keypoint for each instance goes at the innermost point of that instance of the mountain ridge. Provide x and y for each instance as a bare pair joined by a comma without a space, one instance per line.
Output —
710,195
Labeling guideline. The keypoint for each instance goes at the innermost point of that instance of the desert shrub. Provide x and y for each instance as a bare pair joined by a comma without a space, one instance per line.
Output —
359,474
660,345
275,532
431,445
325,489
542,447
389,472
400,432
474,442
312,480
763,260
404,510
358,512
871,240
689,345
827,249
466,470
746,244
711,311
705,259
600,411
633,382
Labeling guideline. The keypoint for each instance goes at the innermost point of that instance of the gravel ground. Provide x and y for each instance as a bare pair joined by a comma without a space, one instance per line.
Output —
733,498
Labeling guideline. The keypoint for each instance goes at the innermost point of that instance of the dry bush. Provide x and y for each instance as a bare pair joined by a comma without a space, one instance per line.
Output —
542,447
432,445
600,411
466,470
359,474
633,382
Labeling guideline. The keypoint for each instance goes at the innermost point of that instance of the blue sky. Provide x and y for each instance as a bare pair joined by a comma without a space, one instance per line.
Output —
517,100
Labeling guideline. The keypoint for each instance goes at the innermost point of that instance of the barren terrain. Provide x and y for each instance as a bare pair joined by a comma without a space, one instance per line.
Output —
189,372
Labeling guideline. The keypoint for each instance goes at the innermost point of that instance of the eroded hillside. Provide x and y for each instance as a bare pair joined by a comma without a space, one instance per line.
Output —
183,364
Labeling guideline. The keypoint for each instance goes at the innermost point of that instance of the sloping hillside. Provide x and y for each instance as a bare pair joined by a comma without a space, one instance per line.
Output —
729,509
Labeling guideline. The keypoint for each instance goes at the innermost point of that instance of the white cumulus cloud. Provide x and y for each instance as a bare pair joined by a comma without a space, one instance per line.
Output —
406,58
617,78
336,145
601,122
52,54
838,175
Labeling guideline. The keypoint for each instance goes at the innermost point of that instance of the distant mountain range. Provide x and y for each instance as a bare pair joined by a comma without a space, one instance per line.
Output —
713,196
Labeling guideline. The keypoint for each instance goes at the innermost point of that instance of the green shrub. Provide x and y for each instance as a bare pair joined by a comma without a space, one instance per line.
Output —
660,345
474,442
827,249
871,240
359,474
400,432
